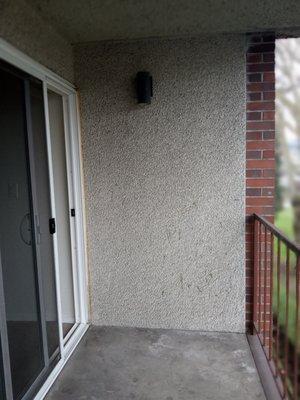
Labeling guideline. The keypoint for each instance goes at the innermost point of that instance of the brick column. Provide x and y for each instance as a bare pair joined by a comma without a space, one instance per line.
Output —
260,144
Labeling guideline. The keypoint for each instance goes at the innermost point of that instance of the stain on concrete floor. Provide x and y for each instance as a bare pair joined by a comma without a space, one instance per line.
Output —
153,364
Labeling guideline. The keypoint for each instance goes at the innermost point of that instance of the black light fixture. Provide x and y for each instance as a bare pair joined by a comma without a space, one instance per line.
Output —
144,89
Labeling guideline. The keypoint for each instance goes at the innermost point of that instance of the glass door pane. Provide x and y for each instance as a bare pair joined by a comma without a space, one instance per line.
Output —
17,240
28,293
62,205
42,195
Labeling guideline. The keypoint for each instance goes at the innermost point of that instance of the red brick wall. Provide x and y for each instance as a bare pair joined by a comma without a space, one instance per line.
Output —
260,144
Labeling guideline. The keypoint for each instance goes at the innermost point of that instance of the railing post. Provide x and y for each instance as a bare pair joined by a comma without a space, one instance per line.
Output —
296,355
271,298
255,272
286,339
265,287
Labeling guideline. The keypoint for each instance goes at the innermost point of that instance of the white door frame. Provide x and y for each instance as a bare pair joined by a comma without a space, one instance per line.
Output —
54,82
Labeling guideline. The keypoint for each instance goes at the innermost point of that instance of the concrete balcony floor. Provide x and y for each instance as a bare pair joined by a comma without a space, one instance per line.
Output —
153,364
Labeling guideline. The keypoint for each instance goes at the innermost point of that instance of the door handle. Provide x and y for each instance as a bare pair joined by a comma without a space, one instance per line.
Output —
52,226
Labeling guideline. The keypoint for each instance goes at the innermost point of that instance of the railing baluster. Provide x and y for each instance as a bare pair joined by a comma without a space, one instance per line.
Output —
265,287
296,355
277,346
255,274
286,336
271,299
259,277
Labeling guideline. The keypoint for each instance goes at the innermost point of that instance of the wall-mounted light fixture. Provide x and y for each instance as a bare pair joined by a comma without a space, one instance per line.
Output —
144,89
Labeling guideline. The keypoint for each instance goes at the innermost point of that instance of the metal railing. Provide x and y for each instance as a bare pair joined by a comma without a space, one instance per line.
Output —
276,304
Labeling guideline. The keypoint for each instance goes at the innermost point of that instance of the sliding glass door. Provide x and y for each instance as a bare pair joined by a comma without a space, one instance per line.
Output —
65,210
41,193
42,284
26,244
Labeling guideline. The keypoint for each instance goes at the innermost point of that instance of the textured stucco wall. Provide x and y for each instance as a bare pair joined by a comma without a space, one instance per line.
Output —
24,28
165,182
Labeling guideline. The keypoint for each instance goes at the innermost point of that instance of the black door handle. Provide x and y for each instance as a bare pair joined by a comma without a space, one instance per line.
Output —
52,226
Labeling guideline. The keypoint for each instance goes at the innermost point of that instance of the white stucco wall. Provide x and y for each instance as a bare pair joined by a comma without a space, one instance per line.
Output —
24,28
165,182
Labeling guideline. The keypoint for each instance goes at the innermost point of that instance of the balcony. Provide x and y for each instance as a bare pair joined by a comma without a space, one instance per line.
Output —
128,363
123,210
151,364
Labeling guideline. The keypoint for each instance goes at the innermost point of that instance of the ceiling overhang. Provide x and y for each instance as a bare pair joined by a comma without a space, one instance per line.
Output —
94,20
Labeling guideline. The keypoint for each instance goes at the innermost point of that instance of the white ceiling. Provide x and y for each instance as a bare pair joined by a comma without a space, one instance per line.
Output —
92,20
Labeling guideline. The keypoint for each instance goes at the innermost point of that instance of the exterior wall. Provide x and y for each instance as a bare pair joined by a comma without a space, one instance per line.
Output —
260,154
165,183
21,26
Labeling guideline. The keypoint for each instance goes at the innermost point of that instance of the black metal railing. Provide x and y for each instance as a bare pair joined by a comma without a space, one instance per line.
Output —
276,304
